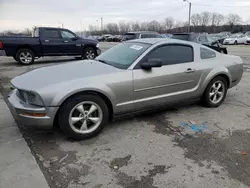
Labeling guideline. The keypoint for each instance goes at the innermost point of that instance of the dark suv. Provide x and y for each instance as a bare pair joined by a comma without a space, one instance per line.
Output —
201,39
140,35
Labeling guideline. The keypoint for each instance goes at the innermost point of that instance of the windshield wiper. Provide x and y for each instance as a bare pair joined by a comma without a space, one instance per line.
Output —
105,62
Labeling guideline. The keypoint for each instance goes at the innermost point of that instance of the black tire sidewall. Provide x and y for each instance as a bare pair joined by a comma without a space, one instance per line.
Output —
86,49
25,50
206,98
70,104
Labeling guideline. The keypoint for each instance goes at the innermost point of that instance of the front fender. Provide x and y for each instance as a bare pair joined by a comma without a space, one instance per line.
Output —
65,93
216,72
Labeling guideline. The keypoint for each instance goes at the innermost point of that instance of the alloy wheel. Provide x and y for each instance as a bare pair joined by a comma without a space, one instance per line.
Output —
90,54
85,117
25,57
217,92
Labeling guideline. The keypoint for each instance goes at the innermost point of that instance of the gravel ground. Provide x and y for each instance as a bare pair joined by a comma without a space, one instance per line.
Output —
154,150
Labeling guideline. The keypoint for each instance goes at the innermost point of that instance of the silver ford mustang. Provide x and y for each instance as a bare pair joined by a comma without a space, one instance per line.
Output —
133,76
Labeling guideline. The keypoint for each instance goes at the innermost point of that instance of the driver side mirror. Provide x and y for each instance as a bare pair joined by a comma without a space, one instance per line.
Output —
151,63
75,38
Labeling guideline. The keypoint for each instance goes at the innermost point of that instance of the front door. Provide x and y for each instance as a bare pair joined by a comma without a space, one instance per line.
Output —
71,43
177,77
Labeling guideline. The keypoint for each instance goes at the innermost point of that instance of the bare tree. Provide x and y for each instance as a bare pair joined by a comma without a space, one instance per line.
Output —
216,19
205,18
135,26
92,28
144,26
196,19
154,26
124,27
169,22
112,28
233,19
27,32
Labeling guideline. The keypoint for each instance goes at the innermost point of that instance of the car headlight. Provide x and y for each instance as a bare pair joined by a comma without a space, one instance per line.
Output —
97,45
30,97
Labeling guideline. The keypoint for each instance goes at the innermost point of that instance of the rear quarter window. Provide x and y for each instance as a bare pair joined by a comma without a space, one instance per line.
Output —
206,53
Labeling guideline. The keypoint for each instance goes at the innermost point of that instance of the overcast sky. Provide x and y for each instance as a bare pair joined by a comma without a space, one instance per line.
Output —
20,14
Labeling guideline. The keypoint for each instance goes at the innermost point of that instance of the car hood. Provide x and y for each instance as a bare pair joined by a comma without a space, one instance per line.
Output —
48,76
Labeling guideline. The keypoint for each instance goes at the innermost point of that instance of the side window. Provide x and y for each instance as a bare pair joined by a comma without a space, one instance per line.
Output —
202,39
207,54
143,36
67,35
173,54
50,33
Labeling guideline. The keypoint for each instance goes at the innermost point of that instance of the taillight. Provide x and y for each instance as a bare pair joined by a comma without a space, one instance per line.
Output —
1,44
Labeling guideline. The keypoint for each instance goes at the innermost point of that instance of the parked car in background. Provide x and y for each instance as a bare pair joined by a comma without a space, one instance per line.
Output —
132,76
104,37
114,38
48,41
238,38
166,35
201,39
141,35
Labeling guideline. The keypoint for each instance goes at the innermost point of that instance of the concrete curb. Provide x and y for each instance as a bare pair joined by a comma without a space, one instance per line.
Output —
18,167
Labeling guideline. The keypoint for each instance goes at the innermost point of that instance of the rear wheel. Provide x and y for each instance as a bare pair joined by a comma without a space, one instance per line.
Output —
215,92
14,57
25,56
89,53
236,42
83,116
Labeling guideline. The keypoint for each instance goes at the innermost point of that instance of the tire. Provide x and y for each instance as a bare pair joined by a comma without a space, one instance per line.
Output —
212,101
87,125
236,42
89,53
223,51
25,56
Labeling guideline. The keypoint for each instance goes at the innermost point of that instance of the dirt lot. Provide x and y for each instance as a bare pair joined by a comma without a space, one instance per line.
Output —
160,149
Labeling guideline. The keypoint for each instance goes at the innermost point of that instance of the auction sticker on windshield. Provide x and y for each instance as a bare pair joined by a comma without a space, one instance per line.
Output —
136,47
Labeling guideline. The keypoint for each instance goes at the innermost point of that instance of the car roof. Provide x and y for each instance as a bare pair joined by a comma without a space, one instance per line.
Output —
138,32
161,40
50,28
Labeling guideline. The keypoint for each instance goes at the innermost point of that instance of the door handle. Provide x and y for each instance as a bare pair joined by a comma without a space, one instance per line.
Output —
66,41
189,70
46,40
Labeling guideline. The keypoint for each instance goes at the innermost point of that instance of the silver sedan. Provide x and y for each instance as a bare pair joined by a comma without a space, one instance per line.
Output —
131,77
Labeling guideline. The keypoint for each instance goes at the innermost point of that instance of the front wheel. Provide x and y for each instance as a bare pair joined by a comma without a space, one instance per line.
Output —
83,116
89,53
215,92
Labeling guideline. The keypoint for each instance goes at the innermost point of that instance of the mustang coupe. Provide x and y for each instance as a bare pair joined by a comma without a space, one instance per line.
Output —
133,76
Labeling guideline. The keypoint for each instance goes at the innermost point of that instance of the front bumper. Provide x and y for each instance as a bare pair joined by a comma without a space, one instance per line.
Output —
2,53
20,110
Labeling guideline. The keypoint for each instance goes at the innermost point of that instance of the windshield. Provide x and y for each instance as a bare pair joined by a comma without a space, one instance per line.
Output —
123,55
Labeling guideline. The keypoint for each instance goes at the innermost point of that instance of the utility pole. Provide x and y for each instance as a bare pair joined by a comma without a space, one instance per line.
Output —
101,23
189,16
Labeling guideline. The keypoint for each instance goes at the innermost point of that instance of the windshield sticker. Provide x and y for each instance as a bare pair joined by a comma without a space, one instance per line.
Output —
135,47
